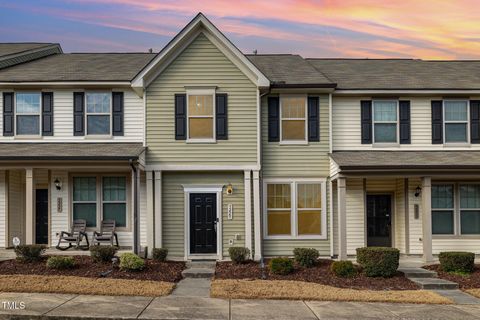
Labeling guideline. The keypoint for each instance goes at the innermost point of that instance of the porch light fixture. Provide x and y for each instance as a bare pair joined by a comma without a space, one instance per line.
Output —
58,184
418,190
229,189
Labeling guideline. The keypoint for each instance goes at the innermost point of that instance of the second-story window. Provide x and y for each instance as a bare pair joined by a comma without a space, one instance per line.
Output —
98,106
293,116
456,121
385,115
28,111
201,116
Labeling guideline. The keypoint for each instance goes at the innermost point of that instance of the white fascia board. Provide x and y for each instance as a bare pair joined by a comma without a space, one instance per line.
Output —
67,83
401,91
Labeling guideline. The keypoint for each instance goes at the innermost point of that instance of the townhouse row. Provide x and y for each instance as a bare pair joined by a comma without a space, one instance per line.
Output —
200,148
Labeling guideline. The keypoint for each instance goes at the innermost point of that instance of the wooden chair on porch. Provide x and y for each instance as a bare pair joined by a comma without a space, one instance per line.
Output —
107,233
75,236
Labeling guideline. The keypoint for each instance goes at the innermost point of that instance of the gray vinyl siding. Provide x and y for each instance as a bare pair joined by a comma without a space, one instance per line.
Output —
202,64
173,211
296,160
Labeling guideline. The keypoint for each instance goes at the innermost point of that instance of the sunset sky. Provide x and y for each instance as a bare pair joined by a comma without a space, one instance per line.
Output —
428,29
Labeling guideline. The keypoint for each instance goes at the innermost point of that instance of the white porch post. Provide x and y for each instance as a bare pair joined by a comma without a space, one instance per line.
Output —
150,212
248,210
427,218
29,218
342,218
158,209
257,215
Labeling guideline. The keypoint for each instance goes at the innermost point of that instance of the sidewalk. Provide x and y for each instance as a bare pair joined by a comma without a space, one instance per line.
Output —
176,307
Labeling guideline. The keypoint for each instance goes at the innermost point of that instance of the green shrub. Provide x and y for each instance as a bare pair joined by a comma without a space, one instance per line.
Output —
103,253
282,266
344,269
30,252
59,262
461,262
378,261
306,257
159,254
238,254
131,262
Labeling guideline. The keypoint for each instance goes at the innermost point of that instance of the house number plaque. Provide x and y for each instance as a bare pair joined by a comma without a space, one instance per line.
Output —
59,205
230,212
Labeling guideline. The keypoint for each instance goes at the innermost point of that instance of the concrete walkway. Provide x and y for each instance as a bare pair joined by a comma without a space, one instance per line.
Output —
66,306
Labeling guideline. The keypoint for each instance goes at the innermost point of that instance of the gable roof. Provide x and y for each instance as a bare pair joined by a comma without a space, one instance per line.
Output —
15,53
290,70
400,74
78,67
199,24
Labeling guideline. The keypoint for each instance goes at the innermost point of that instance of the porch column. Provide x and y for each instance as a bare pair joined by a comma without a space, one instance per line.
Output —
427,218
158,209
150,212
257,215
248,209
29,218
342,218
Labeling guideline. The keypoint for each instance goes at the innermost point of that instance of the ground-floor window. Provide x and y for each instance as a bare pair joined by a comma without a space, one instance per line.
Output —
294,209
456,209
98,197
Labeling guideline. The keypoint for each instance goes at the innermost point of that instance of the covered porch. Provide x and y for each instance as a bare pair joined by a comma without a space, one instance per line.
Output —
421,202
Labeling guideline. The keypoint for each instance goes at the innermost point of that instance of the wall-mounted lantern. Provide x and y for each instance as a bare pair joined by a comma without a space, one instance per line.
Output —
229,189
58,184
418,190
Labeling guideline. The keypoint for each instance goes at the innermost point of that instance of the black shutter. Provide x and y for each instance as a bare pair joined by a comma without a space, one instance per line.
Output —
221,116
273,119
313,119
78,113
8,114
366,121
437,122
404,122
47,113
117,98
180,117
475,121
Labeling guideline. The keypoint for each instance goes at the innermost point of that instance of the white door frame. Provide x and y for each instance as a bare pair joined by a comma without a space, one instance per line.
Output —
217,189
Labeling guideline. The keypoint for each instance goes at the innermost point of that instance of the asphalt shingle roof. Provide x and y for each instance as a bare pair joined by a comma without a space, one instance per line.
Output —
288,69
14,48
403,74
79,67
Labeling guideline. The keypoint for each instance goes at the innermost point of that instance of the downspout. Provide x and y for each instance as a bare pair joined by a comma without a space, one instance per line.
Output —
135,207
262,261
330,183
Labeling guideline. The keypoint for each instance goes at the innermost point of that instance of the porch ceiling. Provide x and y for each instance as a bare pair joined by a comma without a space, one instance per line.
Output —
71,151
378,160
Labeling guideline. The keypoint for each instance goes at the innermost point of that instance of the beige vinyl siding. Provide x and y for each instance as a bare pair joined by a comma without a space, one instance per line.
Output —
347,131
334,205
63,117
143,209
59,221
355,215
3,209
173,210
415,225
16,205
296,160
202,64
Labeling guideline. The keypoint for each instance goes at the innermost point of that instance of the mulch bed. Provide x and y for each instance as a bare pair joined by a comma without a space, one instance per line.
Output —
471,281
170,271
319,274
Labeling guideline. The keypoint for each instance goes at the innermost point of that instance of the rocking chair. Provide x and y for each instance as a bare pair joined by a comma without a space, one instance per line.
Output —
107,233
76,236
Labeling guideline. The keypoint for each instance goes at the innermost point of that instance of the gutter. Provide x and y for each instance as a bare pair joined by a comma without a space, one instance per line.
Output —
135,207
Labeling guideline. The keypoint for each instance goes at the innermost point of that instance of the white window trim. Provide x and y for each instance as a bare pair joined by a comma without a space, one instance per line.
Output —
293,142
39,114
110,115
188,189
454,209
397,123
204,92
444,121
293,207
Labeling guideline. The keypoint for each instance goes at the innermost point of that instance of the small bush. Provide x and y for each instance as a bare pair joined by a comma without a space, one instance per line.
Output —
461,262
238,254
344,269
160,254
131,262
30,252
60,263
103,253
282,266
306,257
378,261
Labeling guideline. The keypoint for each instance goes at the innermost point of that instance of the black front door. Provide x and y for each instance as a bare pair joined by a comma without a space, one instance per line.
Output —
203,223
379,220
41,216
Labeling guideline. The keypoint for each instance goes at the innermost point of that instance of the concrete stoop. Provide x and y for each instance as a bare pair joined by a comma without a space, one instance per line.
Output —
199,269
427,279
